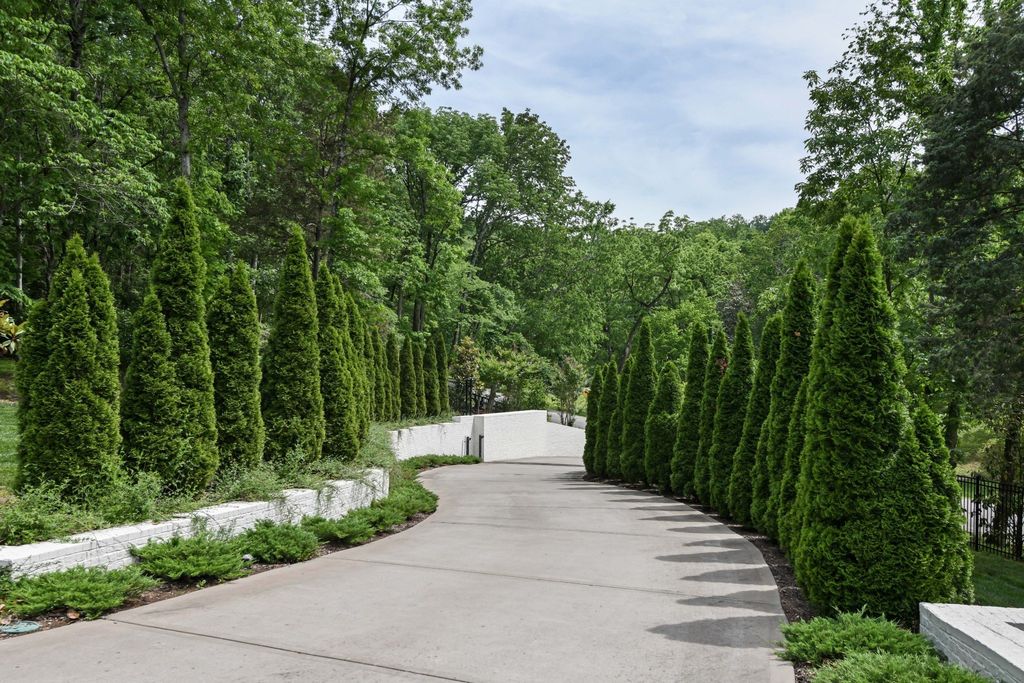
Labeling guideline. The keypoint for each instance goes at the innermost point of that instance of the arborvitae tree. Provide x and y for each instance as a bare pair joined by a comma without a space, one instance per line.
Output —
730,414
179,278
341,423
718,361
794,360
76,429
789,517
152,419
421,383
613,453
103,317
609,397
954,562
684,452
740,483
410,405
431,386
233,324
866,539
357,360
395,372
639,394
660,431
370,354
593,418
951,429
342,319
293,407
383,376
441,355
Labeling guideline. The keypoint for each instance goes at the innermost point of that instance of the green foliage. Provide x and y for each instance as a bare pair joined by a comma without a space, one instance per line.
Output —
825,639
684,452
425,462
383,377
88,591
395,377
341,418
421,382
410,404
152,417
718,361
741,479
201,557
278,543
998,581
794,360
179,278
441,357
431,382
39,513
790,513
639,394
871,667
293,409
730,415
660,431
232,321
613,454
609,394
593,420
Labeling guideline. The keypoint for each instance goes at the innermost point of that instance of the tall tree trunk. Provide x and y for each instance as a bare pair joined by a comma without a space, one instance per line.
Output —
184,132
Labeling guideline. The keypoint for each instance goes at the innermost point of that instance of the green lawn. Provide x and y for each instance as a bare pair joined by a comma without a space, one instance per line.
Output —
8,442
7,390
998,581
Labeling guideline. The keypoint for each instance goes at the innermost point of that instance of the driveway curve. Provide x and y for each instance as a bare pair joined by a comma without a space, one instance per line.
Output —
525,573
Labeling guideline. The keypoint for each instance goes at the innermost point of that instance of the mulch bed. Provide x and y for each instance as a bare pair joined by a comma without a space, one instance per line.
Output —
173,589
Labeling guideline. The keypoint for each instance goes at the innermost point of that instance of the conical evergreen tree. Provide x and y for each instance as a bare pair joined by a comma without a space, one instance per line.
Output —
609,397
75,425
441,354
740,482
684,451
613,454
421,383
954,563
353,362
718,361
593,419
789,518
866,540
794,361
152,419
103,317
341,423
383,377
431,387
660,431
357,361
233,325
730,414
410,405
293,407
639,394
179,278
395,371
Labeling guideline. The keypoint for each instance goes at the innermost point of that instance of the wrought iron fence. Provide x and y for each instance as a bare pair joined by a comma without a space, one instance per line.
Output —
994,514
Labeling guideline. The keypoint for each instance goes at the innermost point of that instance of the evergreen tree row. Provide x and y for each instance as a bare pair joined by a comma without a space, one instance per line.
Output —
817,442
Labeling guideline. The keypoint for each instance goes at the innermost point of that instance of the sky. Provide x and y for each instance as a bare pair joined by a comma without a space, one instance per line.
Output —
694,106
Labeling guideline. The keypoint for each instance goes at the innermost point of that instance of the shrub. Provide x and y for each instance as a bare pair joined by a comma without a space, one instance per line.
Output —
278,543
421,383
718,361
234,329
868,667
441,354
179,278
609,396
794,360
383,377
293,409
825,639
39,513
684,451
730,414
431,385
408,379
660,431
341,418
744,461
639,394
593,403
201,557
152,417
395,375
89,591
426,462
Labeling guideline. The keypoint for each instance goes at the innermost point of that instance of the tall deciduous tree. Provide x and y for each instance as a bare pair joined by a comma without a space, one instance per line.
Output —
684,452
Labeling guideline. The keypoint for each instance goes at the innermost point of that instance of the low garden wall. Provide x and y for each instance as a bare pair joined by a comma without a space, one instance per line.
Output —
495,436
111,548
988,640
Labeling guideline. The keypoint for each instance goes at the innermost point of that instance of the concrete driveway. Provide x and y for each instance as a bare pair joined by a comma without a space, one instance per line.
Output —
525,573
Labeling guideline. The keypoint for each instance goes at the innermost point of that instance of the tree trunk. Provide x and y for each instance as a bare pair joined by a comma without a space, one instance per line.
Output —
184,132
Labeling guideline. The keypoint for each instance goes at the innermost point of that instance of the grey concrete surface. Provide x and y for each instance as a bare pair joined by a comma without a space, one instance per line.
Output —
525,573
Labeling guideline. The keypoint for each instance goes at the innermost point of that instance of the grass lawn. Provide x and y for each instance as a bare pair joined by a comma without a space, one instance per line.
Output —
7,390
8,442
998,581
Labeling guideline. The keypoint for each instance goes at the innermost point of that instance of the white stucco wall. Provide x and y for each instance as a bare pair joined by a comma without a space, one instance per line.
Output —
446,438
111,548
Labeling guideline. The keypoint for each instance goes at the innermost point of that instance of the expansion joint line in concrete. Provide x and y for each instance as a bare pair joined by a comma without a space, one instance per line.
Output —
547,579
548,528
277,648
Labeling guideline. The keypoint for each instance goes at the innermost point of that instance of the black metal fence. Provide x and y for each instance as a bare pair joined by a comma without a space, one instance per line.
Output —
466,400
994,515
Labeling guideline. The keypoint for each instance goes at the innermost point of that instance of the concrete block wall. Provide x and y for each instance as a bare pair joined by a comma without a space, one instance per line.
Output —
983,639
506,436
111,548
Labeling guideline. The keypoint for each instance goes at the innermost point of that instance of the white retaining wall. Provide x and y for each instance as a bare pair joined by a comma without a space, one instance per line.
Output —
982,639
506,436
111,548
